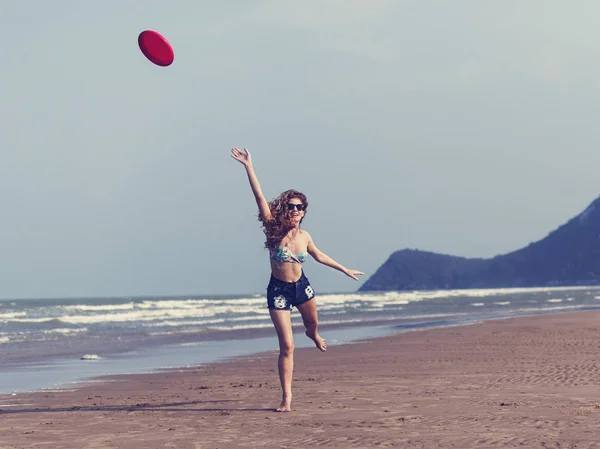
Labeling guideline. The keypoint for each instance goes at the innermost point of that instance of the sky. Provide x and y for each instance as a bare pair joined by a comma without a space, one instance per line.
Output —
465,128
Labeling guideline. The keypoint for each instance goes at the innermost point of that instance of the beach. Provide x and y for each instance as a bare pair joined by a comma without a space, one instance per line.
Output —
519,382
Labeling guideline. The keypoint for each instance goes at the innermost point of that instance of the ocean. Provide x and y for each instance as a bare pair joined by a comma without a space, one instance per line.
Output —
57,343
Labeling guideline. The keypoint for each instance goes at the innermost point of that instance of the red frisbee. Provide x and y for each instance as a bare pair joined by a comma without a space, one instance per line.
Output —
156,48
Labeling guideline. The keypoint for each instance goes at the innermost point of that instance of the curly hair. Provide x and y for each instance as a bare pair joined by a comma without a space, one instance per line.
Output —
279,225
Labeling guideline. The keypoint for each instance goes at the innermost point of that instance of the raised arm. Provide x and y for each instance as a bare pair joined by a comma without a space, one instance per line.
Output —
326,260
245,159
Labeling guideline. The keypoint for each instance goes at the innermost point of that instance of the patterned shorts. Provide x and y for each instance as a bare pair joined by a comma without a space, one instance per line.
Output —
285,295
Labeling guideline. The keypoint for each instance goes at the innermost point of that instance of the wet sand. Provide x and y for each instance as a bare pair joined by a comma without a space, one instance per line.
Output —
521,382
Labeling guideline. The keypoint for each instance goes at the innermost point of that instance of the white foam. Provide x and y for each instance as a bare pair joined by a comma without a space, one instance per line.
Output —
167,304
532,309
342,299
168,323
141,315
32,320
66,331
15,405
477,304
377,308
86,307
163,313
554,300
240,327
191,330
9,316
502,303
401,318
405,297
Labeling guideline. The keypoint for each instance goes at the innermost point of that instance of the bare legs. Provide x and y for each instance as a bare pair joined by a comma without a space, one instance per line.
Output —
283,325
308,310
285,363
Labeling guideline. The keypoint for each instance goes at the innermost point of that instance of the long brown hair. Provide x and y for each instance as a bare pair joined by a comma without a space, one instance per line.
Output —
279,224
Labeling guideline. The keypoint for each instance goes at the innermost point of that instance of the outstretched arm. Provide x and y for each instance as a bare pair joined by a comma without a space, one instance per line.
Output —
246,160
326,260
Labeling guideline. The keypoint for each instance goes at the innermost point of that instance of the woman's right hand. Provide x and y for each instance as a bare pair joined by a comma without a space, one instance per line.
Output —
245,159
242,157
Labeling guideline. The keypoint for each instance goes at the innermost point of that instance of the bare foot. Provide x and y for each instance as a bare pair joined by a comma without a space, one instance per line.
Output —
286,403
319,341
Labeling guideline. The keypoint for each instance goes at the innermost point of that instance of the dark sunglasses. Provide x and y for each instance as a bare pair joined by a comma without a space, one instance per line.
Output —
299,207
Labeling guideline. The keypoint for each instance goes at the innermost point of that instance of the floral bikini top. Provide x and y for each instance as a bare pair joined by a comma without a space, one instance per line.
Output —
283,254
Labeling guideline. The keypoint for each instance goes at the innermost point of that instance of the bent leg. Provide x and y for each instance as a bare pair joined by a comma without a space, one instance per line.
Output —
283,326
308,310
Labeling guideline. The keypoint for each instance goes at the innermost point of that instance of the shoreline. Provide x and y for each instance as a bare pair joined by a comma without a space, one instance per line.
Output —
524,381
53,373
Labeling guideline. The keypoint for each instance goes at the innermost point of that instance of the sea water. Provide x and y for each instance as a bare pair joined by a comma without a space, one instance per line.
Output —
43,341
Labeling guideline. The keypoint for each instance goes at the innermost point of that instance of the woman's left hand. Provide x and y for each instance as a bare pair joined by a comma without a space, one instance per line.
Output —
353,274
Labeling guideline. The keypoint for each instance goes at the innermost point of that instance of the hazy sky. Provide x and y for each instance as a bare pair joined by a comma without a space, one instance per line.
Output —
466,127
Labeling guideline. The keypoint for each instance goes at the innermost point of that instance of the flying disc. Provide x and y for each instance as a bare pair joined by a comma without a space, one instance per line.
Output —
156,48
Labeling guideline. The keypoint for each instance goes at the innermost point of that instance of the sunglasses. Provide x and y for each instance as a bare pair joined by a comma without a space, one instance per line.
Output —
299,207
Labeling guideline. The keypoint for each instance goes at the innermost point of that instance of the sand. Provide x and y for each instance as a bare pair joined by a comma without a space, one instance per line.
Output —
523,382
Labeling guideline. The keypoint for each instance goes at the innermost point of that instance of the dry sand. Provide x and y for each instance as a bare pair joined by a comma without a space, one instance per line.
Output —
524,382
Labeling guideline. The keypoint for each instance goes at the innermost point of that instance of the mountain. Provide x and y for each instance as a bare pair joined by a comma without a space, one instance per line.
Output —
570,255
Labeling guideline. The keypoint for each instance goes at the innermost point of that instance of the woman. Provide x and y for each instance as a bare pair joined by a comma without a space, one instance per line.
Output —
288,287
